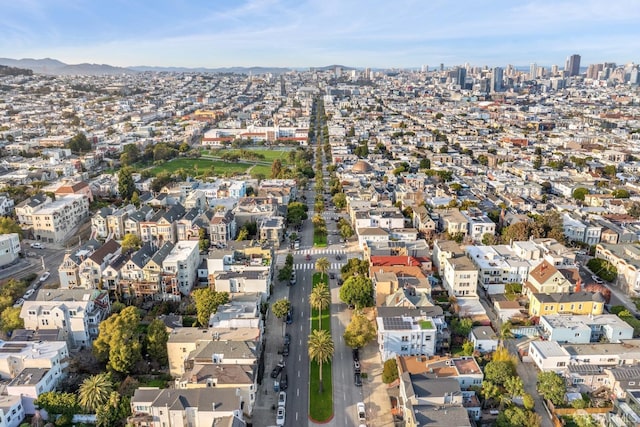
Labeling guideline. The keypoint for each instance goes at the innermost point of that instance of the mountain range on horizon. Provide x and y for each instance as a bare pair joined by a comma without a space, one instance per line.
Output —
51,66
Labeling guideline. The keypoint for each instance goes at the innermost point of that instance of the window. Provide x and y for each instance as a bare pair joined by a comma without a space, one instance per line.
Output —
404,348
427,338
560,364
405,338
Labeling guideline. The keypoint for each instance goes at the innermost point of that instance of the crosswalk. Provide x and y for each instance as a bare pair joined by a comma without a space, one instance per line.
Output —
321,251
312,266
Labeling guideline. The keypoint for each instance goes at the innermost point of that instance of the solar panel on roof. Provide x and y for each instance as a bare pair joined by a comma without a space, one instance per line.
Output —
395,323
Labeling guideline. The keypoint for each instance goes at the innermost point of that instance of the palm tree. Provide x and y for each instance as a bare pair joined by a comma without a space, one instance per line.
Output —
95,391
322,265
320,347
320,298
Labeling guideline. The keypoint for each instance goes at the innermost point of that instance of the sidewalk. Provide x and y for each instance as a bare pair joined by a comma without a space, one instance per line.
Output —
375,391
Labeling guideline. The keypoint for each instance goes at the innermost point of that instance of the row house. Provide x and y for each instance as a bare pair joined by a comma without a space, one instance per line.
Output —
626,259
188,227
497,266
180,267
110,222
284,190
579,230
222,227
459,274
247,281
271,230
69,270
134,219
451,220
161,228
91,268
9,248
132,271
150,286
27,208
75,313
6,205
479,224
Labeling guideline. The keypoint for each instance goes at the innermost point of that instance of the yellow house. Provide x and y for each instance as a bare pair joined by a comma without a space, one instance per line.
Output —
562,303
545,278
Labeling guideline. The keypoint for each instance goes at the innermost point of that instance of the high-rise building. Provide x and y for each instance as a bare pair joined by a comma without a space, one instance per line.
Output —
533,71
461,77
572,65
593,70
496,79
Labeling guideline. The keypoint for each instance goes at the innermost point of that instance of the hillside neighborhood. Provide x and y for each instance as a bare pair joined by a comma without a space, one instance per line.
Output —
351,247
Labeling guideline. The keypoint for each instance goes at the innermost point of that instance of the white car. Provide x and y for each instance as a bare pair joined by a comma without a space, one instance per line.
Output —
37,245
18,303
362,415
282,399
28,293
280,416
45,276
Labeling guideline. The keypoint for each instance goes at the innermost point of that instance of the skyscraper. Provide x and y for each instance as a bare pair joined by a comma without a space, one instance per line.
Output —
572,65
461,77
496,79
533,71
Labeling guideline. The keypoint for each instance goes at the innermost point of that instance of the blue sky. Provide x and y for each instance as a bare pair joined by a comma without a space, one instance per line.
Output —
301,33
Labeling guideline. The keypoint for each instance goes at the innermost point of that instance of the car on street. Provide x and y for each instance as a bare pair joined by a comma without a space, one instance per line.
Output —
362,413
280,416
287,338
290,316
340,282
276,371
356,354
356,366
37,245
18,303
32,254
597,279
332,276
338,257
308,257
28,294
284,381
357,379
45,276
285,350
282,399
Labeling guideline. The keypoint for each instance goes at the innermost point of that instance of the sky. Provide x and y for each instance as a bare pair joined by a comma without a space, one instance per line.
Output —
308,33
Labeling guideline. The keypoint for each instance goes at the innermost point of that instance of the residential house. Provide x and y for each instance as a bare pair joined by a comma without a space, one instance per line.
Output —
27,208
583,329
498,266
222,227
116,221
150,286
99,226
154,407
180,268
80,187
91,267
251,209
54,221
6,205
248,281
545,278
161,228
626,412
451,220
369,235
422,221
11,411
31,383
478,224
271,230
188,227
578,230
582,302
484,339
132,271
77,313
9,248
69,270
626,259
134,219
403,331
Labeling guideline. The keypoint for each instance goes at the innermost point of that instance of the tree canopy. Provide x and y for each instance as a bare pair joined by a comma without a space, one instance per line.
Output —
353,267
131,242
118,340
156,341
359,332
207,301
551,386
358,291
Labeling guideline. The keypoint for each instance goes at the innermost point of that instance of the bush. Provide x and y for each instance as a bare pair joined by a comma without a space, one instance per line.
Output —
603,269
390,371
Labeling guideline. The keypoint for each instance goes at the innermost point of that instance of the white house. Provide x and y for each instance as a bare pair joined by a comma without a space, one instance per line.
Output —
549,356
582,329
405,332
31,383
16,356
182,263
484,339
11,411
9,248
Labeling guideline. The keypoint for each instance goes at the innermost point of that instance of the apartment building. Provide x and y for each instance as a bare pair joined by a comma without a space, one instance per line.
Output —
6,205
478,224
579,230
451,220
460,277
247,281
222,227
11,411
271,230
581,329
9,248
27,208
626,259
585,303
76,313
180,267
499,265
251,209
405,332
69,270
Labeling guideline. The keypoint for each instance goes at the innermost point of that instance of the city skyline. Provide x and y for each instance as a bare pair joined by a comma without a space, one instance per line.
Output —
283,33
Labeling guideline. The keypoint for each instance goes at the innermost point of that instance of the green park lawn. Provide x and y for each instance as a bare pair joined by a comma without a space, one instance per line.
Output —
199,166
269,155
320,404
320,241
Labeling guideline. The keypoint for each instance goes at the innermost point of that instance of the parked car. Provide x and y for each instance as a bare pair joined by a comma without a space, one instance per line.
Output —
28,294
276,371
280,416
356,366
362,413
284,382
597,279
37,245
287,338
285,350
356,354
282,399
45,276
18,303
357,379
332,276
290,316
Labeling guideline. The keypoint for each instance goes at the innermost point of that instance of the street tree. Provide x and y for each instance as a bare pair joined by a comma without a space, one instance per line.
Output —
322,266
94,391
280,308
320,348
357,291
580,193
10,319
354,267
339,200
499,372
390,371
156,341
319,299
9,225
276,169
359,332
207,301
285,273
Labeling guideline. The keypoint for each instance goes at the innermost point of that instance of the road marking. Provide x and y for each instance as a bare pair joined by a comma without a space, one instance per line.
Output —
297,392
343,375
296,416
298,374
300,357
300,328
301,314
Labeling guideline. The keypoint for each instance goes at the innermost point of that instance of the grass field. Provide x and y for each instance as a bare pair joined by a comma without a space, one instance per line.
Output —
261,169
269,155
320,241
320,404
199,166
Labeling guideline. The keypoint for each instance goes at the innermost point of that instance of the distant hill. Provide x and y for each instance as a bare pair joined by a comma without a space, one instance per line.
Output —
55,67
223,70
14,71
